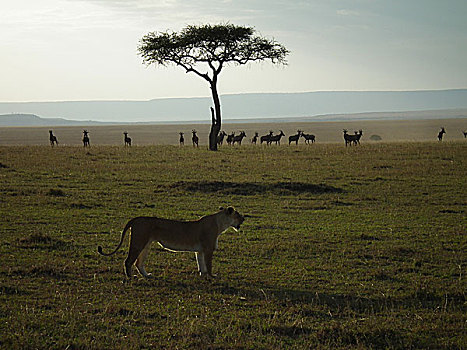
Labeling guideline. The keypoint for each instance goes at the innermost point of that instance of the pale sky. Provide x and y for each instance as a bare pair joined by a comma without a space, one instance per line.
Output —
63,50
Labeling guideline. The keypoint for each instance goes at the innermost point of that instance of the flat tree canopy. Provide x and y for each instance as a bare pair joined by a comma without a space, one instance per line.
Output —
205,50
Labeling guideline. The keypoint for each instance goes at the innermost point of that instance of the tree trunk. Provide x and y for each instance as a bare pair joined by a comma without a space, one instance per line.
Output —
215,118
215,128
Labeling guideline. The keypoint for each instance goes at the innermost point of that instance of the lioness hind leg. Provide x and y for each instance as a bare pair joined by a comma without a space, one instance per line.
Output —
133,253
140,261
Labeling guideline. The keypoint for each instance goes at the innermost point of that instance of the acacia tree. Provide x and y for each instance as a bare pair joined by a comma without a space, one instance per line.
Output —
205,50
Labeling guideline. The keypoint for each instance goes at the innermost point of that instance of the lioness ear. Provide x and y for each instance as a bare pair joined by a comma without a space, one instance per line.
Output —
230,210
221,208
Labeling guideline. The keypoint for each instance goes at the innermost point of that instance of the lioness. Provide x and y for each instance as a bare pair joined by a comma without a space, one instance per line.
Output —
199,236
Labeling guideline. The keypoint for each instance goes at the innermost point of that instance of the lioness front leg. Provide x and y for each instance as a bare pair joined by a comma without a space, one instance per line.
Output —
201,263
208,261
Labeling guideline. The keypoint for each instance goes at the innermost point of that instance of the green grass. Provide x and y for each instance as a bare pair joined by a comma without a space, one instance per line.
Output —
361,247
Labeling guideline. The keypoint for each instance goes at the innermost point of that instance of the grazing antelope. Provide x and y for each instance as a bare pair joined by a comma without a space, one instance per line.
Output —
294,138
230,138
182,139
220,138
86,138
266,138
126,139
276,138
53,138
440,134
308,138
238,138
194,138
255,138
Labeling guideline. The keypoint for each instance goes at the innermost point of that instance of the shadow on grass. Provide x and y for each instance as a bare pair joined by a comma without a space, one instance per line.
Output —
328,310
43,241
254,188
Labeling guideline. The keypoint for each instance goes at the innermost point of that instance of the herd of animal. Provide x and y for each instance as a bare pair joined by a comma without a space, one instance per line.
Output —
232,139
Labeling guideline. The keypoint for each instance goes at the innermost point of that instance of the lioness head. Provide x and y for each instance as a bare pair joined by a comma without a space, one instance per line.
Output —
235,219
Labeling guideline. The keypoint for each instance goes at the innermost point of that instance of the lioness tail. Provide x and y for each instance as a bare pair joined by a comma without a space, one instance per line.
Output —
128,225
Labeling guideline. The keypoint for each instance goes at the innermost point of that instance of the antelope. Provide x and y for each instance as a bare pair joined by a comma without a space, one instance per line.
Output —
182,139
294,138
239,138
255,138
230,138
220,137
86,138
276,138
352,138
347,138
53,138
266,138
308,138
358,136
465,134
194,138
441,133
126,139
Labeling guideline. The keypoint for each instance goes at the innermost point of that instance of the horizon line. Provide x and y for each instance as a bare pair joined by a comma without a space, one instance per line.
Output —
234,94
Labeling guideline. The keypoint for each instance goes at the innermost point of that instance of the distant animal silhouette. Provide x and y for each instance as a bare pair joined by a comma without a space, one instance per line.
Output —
358,136
294,138
220,138
86,138
347,138
127,139
230,138
266,138
352,138
465,134
255,138
276,138
440,134
182,139
53,138
194,138
238,139
308,138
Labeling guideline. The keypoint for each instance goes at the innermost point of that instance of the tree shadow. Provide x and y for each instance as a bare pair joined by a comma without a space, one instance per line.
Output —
254,188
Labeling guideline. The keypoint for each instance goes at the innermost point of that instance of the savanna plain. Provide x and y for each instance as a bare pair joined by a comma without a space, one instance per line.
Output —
359,247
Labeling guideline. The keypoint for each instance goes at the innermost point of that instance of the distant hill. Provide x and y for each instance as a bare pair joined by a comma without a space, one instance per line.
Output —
34,120
283,106
31,120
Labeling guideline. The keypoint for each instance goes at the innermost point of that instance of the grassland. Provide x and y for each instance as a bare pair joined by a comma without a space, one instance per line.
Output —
361,247
326,132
